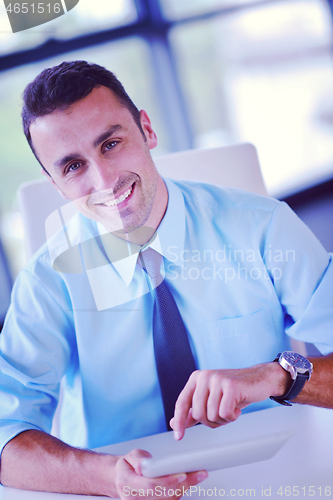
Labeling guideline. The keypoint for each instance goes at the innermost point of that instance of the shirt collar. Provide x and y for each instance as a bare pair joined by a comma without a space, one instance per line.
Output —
122,254
171,231
168,240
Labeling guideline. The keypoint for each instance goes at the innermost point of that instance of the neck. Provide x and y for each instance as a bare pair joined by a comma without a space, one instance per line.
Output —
141,235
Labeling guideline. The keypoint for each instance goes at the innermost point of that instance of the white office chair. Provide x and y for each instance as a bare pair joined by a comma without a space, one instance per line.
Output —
232,166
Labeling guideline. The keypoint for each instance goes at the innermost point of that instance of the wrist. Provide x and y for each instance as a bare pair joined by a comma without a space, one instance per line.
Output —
106,475
300,369
281,380
97,473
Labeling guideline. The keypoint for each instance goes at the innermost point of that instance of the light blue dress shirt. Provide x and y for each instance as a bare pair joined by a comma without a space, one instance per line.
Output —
243,269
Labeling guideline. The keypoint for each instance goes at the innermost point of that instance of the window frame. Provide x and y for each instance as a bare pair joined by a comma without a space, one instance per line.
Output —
154,28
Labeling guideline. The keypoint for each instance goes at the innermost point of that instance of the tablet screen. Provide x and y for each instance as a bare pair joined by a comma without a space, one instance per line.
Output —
236,452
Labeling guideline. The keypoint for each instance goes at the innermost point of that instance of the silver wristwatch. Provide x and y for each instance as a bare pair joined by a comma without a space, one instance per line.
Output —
300,370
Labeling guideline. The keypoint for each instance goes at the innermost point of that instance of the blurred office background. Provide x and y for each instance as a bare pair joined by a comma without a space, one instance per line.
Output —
208,72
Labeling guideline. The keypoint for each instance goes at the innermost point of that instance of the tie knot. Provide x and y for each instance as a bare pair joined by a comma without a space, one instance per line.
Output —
151,263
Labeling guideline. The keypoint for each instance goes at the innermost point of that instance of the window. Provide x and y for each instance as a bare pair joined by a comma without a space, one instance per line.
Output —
87,17
264,76
178,10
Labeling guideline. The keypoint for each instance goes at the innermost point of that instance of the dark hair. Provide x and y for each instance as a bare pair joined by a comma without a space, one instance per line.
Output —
59,87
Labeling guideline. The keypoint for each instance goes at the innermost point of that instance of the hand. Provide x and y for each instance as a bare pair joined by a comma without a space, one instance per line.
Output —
216,397
130,482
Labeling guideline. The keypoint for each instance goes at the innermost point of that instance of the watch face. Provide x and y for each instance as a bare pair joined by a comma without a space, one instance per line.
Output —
299,362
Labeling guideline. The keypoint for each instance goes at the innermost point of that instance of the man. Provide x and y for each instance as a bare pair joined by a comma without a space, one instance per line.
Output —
242,270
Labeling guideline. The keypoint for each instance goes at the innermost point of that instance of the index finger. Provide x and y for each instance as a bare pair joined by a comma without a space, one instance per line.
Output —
182,409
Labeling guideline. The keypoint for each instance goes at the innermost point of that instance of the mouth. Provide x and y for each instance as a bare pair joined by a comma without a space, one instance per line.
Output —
120,199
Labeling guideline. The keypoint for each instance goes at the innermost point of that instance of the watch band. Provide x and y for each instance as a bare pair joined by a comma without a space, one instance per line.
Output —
294,390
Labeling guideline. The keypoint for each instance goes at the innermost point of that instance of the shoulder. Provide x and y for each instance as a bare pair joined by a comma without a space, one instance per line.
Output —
219,198
62,244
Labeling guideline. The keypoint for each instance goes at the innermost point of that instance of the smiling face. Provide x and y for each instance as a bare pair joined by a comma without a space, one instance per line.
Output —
97,157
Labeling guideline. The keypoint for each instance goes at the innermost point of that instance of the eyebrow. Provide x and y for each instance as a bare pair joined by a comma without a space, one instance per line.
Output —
76,156
63,161
112,130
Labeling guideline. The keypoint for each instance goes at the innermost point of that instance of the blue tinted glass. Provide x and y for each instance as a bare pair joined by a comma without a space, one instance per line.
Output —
84,16
174,9
264,76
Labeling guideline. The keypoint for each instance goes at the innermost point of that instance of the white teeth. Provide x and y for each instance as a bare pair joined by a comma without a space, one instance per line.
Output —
120,199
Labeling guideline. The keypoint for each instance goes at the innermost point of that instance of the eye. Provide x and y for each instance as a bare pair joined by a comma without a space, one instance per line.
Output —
110,145
72,167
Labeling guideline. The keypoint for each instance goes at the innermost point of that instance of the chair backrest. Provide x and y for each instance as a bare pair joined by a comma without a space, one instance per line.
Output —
232,166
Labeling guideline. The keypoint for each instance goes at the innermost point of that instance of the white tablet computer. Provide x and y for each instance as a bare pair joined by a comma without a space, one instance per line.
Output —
236,452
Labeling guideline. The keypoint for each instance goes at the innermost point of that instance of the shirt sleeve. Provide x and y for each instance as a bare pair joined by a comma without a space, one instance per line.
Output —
302,273
35,351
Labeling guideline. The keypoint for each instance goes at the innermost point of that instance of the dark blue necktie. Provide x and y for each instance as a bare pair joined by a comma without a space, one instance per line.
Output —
173,355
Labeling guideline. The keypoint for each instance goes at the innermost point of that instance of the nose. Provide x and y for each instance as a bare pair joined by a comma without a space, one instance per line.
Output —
103,176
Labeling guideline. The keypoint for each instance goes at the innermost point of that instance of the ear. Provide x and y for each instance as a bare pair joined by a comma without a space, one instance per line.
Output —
62,194
148,130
